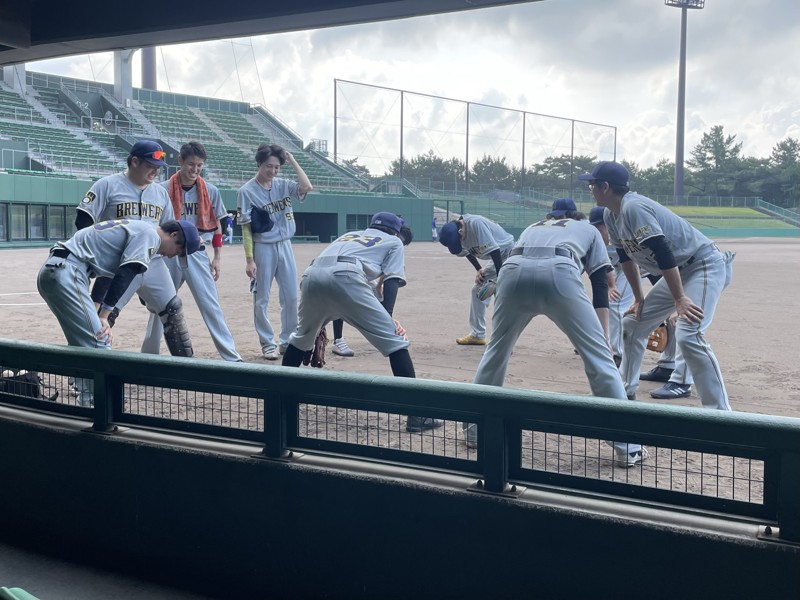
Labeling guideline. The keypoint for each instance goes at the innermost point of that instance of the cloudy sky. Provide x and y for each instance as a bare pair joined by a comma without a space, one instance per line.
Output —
612,62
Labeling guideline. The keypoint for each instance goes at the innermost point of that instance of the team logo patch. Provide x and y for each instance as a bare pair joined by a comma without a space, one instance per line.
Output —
642,232
89,198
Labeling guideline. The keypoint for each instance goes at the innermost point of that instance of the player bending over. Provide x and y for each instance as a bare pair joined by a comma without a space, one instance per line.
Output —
542,276
336,286
119,250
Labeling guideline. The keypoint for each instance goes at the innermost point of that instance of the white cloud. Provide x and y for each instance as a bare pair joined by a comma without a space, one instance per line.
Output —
614,62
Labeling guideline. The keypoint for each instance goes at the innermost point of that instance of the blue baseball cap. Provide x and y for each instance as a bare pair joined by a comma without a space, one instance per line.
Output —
387,219
449,237
596,215
150,151
562,206
612,172
191,236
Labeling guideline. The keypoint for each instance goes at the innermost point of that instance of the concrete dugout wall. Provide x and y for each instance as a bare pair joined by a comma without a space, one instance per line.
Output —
208,516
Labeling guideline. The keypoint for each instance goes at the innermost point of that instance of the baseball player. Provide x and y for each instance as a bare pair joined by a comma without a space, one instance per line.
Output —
131,195
200,202
266,215
649,235
229,228
340,346
477,237
542,276
119,250
336,286
620,297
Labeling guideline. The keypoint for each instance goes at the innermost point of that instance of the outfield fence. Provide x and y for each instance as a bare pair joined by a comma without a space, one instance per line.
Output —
737,465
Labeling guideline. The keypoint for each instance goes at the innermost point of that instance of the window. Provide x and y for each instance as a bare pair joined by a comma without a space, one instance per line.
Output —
57,223
3,222
19,222
357,222
37,219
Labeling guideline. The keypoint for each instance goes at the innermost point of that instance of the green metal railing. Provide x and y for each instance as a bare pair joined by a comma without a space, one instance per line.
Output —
287,411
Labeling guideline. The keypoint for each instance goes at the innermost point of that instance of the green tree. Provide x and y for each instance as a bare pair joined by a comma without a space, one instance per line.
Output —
360,170
715,161
437,172
494,173
785,169
657,180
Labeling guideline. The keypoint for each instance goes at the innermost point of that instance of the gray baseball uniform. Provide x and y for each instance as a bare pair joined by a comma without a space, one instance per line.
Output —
63,280
703,274
543,277
482,236
115,197
670,358
195,270
272,253
336,286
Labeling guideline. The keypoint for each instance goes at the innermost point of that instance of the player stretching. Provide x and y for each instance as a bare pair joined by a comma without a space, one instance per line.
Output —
542,276
197,201
131,195
336,286
649,235
476,238
119,249
267,220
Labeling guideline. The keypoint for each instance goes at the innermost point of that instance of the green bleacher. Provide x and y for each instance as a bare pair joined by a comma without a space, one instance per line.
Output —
50,98
61,150
13,106
178,122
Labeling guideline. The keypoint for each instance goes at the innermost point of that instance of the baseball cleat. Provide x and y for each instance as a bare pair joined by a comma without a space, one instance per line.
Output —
471,340
341,348
661,374
271,354
416,424
670,390
631,459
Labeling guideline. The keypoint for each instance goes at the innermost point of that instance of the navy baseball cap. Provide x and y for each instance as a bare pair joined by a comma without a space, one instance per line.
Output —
562,206
387,219
150,151
596,215
191,236
449,237
612,172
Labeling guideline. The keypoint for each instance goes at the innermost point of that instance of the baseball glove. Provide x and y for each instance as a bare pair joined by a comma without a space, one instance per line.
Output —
657,340
486,289
316,356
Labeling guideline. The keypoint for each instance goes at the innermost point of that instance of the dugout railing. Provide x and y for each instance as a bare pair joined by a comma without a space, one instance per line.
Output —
739,466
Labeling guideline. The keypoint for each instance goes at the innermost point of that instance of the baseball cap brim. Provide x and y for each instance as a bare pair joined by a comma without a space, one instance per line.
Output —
191,237
153,161
586,177
449,238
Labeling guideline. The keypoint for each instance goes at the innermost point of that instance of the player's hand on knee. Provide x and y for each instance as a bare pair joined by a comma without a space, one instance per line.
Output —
479,277
634,309
684,307
672,320
105,331
614,295
398,329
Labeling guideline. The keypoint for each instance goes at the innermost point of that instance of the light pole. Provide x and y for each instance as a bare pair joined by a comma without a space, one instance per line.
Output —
684,5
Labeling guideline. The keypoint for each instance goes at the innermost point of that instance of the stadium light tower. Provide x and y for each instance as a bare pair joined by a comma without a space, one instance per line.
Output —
684,5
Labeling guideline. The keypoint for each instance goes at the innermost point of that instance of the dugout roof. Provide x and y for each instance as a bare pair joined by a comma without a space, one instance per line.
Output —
36,29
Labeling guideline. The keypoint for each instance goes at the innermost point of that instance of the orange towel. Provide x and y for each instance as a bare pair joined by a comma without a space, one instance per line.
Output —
206,219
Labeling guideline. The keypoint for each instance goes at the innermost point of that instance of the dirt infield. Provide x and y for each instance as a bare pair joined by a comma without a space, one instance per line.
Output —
754,331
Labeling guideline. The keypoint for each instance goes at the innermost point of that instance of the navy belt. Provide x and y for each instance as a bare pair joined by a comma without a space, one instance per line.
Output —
60,252
321,261
541,252
704,252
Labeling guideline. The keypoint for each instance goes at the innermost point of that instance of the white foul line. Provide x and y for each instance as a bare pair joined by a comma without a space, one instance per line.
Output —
19,294
27,304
